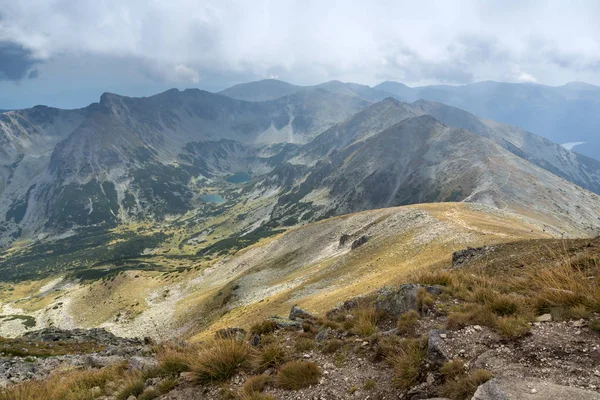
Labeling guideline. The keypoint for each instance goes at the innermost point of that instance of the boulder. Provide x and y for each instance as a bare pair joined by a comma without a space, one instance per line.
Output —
544,318
323,335
298,313
396,301
359,242
285,323
142,363
508,389
436,352
97,361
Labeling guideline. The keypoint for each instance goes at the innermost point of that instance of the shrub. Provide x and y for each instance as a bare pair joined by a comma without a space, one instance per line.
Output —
407,363
407,323
256,384
221,360
297,375
463,388
270,355
264,328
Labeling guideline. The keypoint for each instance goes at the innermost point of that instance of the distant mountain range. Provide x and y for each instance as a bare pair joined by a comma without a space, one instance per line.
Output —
271,154
563,114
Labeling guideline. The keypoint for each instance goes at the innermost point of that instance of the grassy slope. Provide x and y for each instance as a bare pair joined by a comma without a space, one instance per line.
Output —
306,266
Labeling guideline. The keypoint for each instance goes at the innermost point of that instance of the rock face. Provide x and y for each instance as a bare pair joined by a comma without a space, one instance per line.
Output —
508,389
394,302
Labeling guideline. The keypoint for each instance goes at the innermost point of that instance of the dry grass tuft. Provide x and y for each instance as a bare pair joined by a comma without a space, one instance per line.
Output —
132,386
298,375
332,346
365,321
73,385
264,328
303,344
452,369
256,384
221,360
465,386
270,355
512,327
407,362
254,396
174,359
408,322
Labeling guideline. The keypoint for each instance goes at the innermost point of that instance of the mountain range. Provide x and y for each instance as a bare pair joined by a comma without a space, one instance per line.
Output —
299,154
562,114
182,211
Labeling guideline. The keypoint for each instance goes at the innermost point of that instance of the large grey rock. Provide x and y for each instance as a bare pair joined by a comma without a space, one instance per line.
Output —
98,361
518,389
285,323
142,363
396,301
436,353
298,313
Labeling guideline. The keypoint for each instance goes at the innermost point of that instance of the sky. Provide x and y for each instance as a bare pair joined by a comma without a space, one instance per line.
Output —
66,53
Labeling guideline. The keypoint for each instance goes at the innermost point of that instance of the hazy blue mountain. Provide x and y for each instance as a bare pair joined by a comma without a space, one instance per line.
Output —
270,89
563,114
266,89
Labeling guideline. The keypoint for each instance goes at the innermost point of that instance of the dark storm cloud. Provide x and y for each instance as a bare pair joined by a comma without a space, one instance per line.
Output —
16,62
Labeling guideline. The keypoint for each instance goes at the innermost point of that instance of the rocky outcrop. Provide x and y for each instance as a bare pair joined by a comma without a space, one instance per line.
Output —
359,242
394,302
298,313
507,389
470,253
96,335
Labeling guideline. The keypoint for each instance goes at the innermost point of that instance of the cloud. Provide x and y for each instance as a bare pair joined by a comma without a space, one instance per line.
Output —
16,62
206,41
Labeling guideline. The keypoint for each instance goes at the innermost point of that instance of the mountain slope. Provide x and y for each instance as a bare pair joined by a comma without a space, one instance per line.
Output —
306,266
420,160
125,158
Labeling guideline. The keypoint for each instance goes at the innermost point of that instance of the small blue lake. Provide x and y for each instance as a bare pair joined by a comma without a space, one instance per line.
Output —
212,198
